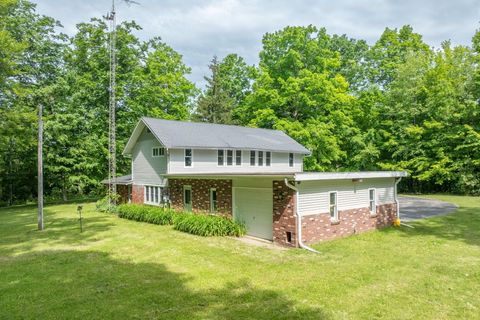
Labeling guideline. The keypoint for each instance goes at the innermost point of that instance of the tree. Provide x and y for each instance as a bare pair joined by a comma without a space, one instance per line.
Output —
215,105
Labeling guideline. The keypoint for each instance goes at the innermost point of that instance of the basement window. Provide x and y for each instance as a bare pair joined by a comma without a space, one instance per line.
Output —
289,237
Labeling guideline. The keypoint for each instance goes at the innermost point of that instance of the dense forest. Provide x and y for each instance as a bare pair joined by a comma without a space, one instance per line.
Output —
397,104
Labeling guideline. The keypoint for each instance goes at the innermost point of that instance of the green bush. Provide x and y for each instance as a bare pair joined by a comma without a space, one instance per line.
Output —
144,213
103,205
197,224
208,225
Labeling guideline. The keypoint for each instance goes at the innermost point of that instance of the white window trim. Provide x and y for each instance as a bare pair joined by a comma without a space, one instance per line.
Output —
250,158
263,158
211,200
335,215
224,158
374,212
160,194
293,160
268,164
185,155
235,158
159,155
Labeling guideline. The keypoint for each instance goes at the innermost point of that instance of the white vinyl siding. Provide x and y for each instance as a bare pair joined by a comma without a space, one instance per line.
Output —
207,161
147,169
314,195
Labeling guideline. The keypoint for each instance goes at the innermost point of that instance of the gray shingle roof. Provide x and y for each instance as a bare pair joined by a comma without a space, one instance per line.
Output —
195,135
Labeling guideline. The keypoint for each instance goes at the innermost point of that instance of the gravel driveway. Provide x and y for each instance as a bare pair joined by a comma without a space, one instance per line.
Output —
412,208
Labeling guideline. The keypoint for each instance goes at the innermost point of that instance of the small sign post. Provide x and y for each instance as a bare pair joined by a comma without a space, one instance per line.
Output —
79,210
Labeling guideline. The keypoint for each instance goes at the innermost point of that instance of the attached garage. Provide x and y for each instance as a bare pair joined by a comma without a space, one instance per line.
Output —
254,207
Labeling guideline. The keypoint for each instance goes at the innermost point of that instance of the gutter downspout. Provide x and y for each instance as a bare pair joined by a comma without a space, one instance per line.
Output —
396,198
299,219
398,205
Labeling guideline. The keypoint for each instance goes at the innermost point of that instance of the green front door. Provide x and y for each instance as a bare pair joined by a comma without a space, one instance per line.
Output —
187,198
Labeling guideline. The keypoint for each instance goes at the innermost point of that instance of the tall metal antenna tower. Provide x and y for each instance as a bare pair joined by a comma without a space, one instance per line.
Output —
112,105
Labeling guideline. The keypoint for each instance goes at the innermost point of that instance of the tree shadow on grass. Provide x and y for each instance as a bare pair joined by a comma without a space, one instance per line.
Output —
461,225
18,229
88,284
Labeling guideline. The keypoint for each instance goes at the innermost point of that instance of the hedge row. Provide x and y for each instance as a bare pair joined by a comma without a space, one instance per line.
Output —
147,214
208,225
198,224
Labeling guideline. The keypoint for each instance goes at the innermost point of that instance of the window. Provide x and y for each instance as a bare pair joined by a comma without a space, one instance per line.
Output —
238,157
220,157
213,200
260,158
158,152
229,157
188,157
268,158
252,158
372,201
333,206
152,195
290,159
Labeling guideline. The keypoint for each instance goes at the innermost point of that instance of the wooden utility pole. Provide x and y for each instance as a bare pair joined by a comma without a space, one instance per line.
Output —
40,168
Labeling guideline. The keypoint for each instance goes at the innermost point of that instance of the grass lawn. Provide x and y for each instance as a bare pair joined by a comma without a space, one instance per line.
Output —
118,269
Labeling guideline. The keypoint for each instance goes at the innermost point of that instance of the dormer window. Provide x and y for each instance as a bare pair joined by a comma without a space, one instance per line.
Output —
252,157
188,157
220,157
229,157
158,152
238,157
260,158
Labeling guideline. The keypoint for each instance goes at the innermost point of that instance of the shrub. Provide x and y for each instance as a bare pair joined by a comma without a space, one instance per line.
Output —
208,225
144,213
103,205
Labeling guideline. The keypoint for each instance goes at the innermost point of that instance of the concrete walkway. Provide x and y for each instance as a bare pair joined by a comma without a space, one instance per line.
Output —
412,208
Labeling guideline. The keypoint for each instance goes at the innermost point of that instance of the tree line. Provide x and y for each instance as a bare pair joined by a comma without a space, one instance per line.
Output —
397,104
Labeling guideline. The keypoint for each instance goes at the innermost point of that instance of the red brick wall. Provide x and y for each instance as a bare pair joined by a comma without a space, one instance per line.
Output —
137,194
284,219
201,194
316,228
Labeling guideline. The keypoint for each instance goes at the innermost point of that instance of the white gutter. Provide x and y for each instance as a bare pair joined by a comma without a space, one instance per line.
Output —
299,219
396,197
398,205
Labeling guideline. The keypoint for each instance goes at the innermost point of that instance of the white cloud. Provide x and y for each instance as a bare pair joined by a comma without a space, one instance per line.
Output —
199,29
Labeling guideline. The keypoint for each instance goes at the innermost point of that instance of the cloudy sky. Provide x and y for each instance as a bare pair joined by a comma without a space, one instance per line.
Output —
199,29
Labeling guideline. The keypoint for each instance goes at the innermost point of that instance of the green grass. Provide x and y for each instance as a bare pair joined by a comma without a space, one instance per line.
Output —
119,269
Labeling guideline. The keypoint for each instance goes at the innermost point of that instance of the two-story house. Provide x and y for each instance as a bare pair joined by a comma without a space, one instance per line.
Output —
254,176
